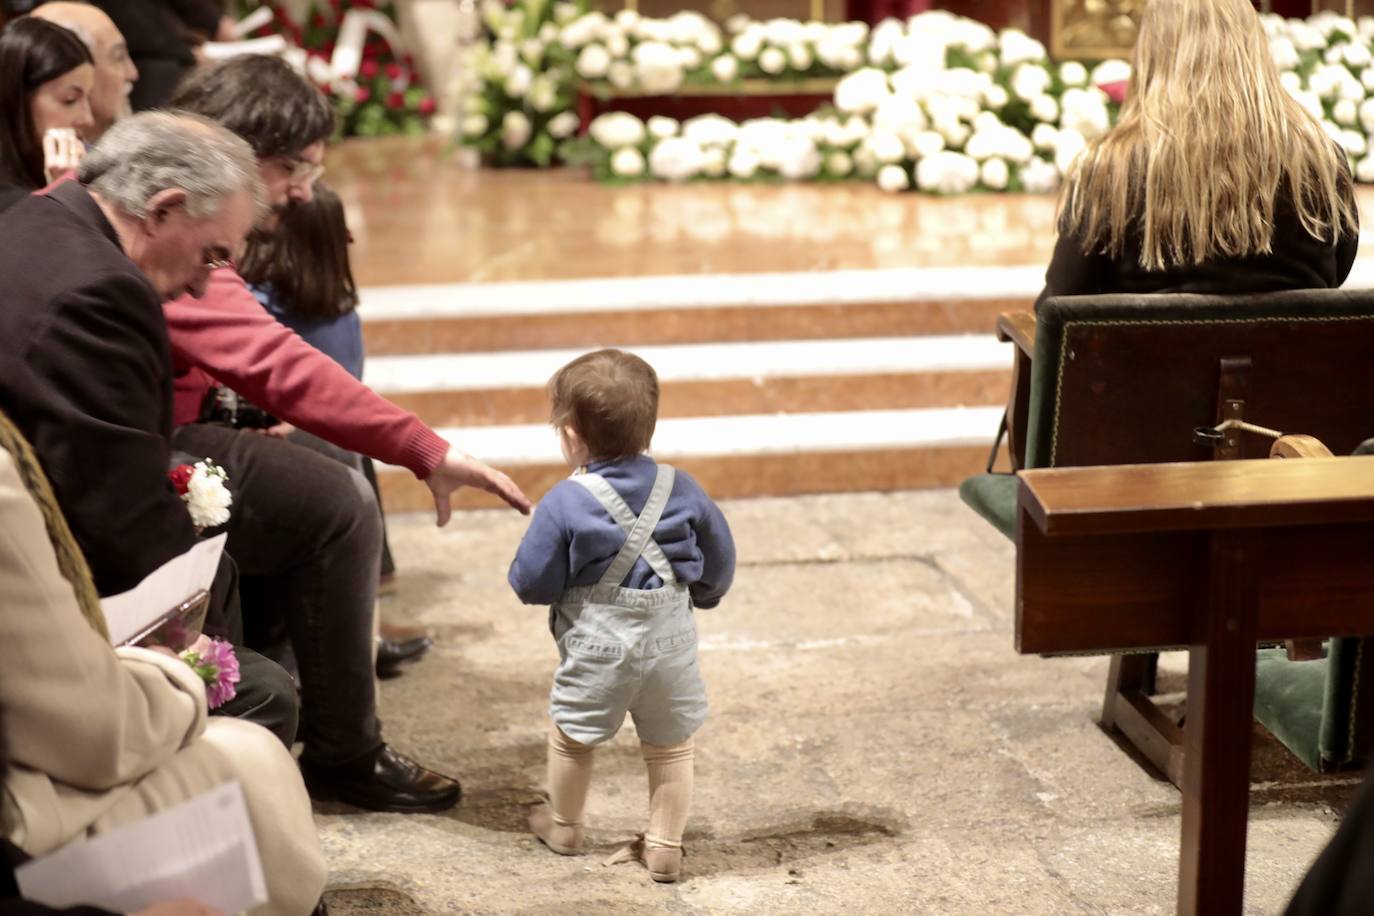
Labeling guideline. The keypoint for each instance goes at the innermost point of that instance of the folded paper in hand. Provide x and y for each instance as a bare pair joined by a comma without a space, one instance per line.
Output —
203,849
133,614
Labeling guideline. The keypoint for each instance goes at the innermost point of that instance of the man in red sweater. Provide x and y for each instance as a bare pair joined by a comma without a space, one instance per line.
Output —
305,531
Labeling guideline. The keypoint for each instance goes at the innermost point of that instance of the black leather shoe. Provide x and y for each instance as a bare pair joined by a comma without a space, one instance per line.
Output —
385,781
321,909
392,654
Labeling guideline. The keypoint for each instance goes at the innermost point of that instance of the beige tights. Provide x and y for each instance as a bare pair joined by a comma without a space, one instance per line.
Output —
670,785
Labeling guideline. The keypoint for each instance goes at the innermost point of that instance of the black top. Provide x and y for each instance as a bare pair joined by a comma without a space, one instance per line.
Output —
158,28
1298,261
86,375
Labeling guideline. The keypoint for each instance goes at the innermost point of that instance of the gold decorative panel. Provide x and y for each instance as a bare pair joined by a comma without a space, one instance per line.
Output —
1094,29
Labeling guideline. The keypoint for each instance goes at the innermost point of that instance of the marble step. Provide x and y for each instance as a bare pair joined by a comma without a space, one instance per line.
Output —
752,455
888,373
622,311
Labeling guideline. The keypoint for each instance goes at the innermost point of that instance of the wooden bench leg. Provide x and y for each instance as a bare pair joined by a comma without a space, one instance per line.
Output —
1128,709
1216,762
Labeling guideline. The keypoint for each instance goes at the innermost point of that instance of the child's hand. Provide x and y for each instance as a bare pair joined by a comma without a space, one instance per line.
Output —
459,469
62,152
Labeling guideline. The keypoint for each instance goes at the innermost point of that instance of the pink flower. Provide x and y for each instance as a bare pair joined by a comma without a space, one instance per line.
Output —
218,666
1116,91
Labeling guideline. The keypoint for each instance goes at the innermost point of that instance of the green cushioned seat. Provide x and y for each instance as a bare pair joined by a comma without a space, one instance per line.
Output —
1074,417
993,496
1314,707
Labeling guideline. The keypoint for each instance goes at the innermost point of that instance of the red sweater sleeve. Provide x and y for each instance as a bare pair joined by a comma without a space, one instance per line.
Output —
228,335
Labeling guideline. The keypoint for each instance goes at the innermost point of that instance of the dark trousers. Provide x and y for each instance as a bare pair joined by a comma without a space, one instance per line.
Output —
266,694
1341,881
305,533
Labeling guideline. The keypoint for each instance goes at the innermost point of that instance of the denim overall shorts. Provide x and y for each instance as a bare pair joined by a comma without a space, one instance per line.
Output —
624,649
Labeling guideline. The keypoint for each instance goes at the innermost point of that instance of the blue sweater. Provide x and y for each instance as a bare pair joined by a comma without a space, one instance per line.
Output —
572,540
339,338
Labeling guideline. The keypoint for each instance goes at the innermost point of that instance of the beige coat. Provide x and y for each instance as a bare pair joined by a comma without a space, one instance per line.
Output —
101,737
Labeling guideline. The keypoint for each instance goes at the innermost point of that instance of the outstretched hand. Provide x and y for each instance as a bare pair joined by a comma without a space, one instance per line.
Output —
459,469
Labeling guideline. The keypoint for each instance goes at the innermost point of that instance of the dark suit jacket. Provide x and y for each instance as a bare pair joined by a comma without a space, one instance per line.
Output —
86,375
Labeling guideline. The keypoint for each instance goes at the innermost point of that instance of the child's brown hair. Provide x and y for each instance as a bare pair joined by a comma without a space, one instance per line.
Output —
610,398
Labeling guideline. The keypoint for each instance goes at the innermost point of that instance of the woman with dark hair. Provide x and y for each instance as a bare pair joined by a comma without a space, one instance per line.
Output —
46,77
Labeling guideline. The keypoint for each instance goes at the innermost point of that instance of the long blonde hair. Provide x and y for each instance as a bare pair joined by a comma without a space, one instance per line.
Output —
1207,137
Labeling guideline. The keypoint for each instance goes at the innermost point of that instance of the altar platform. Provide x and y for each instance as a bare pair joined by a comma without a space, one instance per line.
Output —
810,338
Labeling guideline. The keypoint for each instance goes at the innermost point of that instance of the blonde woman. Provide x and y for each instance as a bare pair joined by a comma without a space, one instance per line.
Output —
1215,180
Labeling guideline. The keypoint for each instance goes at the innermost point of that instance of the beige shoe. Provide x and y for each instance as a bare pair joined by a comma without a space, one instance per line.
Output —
564,840
664,863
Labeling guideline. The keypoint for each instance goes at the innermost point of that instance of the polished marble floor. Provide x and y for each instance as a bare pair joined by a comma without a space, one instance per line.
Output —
419,215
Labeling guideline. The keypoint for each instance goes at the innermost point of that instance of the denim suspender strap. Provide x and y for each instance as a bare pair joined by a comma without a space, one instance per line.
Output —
639,531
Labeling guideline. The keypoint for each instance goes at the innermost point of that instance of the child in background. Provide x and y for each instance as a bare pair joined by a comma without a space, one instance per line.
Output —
301,274
622,551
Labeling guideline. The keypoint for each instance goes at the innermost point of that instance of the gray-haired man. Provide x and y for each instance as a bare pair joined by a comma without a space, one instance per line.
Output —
85,372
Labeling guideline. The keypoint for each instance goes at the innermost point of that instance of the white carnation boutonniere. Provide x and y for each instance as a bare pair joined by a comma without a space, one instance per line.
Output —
204,488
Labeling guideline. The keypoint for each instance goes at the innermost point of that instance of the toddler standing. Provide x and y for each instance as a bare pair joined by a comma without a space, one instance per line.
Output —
622,551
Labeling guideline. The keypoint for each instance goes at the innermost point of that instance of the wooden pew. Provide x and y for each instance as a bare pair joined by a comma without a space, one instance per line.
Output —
1125,379
1215,556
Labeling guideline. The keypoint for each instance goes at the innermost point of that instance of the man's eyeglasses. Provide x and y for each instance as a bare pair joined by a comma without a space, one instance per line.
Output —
214,260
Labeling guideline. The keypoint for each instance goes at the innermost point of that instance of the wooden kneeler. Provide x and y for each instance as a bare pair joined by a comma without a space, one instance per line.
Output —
1217,556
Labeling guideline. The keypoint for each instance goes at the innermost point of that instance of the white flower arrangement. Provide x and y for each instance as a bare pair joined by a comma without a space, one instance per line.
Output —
204,488
945,101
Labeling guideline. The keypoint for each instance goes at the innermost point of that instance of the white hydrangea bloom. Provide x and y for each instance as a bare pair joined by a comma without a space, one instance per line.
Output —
747,44
661,128
628,162
676,159
1039,176
725,68
713,161
1072,73
840,164
563,125
744,163
1353,142
621,74
1044,136
710,129
928,143
1284,53
773,61
519,81
886,146
1017,47
1110,71
658,67
893,178
474,125
947,173
1045,108
1029,81
593,62
996,97
1345,112
1067,147
1364,170
515,130
861,91
616,129
995,174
